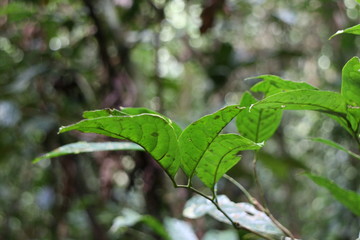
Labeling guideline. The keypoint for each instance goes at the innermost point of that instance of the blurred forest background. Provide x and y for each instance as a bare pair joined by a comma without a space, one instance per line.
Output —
184,59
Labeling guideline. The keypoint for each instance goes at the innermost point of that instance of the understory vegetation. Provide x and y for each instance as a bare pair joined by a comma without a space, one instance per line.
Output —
200,120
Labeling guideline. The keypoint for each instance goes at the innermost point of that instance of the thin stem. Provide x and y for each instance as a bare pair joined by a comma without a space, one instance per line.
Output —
257,181
238,185
266,209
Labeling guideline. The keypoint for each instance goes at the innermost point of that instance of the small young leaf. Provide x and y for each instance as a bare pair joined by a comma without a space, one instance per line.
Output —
349,199
257,125
350,86
322,101
198,136
335,145
152,132
81,147
273,84
245,214
221,156
352,30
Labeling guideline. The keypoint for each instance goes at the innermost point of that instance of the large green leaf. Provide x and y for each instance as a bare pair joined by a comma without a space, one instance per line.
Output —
271,85
352,30
128,111
245,214
198,136
222,155
337,146
350,86
81,147
150,131
349,199
257,125
322,101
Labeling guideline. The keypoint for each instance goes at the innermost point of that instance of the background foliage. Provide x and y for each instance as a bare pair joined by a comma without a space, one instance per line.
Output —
184,59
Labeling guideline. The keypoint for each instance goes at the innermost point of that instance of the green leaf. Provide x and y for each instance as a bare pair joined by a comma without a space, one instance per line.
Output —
17,11
352,30
322,101
344,122
81,147
150,131
273,84
128,112
114,112
196,139
335,145
245,214
350,87
221,156
257,125
349,199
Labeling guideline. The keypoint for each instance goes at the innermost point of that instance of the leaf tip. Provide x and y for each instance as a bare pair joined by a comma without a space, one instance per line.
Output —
335,34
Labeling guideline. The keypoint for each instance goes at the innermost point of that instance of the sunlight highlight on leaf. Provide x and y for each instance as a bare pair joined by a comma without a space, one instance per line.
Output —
82,147
150,131
352,30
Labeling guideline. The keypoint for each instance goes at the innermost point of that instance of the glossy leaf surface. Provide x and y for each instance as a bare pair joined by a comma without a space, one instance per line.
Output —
198,136
221,156
243,213
349,199
82,147
272,84
257,125
150,131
